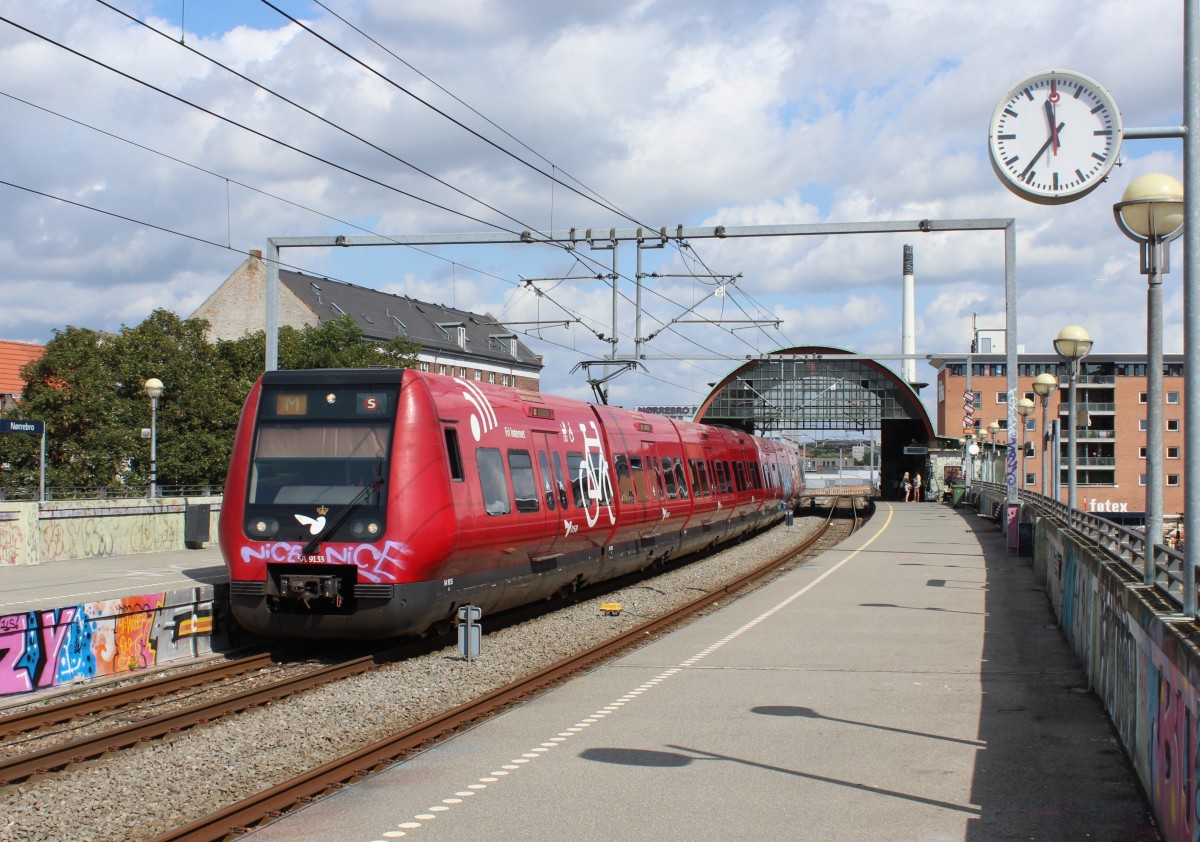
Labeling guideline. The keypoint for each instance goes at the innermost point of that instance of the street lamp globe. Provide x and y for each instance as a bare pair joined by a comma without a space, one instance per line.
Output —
1073,343
1152,206
1045,384
154,389
1024,407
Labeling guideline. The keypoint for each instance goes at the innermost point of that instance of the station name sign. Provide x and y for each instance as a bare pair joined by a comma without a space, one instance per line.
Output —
669,411
33,428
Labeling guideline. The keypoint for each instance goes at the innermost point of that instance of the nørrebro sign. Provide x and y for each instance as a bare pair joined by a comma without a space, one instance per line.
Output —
34,428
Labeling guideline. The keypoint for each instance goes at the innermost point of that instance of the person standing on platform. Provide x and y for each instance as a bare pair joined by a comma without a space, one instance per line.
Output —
906,487
917,489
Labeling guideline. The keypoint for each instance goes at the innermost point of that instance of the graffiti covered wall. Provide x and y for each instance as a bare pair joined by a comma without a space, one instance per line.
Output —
32,533
1141,664
44,649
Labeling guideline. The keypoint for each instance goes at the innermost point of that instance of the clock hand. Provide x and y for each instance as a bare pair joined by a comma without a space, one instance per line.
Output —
1051,121
1043,148
1051,104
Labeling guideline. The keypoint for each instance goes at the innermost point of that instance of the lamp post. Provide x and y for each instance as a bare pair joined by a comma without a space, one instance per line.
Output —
1024,409
1072,344
1044,385
992,429
1151,214
154,390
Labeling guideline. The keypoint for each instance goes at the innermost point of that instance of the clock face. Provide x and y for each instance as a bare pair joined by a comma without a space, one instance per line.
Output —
1054,137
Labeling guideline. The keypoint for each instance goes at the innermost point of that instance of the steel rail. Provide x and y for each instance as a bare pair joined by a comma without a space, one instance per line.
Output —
277,801
21,767
109,700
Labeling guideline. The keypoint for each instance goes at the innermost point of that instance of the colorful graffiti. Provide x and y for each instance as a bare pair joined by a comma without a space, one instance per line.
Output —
1144,672
376,564
44,649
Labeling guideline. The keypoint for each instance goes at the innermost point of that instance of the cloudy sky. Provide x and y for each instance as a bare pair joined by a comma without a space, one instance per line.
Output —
139,168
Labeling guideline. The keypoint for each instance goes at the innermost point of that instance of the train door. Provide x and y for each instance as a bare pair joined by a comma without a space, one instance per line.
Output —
552,491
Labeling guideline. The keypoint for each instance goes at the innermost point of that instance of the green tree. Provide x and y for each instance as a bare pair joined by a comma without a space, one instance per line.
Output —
89,389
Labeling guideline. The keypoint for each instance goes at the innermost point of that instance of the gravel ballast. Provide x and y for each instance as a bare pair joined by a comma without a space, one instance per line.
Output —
141,793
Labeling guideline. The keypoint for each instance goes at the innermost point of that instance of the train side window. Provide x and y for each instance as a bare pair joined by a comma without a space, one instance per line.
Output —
656,487
624,481
576,470
492,481
695,478
547,480
723,476
520,463
558,475
739,476
705,489
680,479
454,454
639,478
669,477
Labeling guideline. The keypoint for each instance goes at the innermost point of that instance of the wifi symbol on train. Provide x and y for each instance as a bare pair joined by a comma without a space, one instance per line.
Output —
483,419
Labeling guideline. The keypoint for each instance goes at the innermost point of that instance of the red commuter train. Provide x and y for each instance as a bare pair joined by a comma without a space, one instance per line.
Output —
375,502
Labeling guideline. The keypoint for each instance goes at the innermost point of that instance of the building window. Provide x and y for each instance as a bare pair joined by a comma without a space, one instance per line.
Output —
1141,452
1001,397
1142,397
441,369
505,380
1172,397
1142,480
1172,425
1173,479
1030,425
1142,425
491,377
1172,452
1030,480
478,376
462,372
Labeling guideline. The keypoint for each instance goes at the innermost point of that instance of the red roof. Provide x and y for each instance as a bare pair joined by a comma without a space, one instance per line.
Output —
13,357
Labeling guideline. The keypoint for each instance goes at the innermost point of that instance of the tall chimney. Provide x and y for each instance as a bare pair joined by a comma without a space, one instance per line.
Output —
908,321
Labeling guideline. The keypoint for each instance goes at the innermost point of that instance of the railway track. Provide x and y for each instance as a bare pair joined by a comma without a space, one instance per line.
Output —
59,756
277,801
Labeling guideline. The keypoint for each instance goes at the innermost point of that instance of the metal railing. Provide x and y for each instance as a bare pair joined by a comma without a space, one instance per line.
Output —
1125,546
27,494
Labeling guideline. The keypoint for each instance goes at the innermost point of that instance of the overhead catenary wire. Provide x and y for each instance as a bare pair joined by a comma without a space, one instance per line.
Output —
341,129
230,180
268,138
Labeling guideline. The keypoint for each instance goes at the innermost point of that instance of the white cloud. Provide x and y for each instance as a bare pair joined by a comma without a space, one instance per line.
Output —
764,112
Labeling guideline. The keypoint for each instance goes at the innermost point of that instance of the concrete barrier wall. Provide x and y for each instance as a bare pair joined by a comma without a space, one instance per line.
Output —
33,533
1142,662
41,650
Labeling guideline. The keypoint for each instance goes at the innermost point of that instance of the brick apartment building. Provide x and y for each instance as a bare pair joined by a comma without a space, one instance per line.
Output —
1110,424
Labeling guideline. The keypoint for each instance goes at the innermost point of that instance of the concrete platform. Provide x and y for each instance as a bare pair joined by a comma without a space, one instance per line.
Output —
911,684
54,584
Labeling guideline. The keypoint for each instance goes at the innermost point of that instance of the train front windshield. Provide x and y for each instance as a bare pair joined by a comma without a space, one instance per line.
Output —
319,451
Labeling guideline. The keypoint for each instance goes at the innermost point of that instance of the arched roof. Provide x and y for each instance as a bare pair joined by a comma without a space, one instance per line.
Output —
812,387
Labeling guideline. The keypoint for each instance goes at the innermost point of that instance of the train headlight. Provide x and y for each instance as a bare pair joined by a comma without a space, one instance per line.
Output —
365,529
263,527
